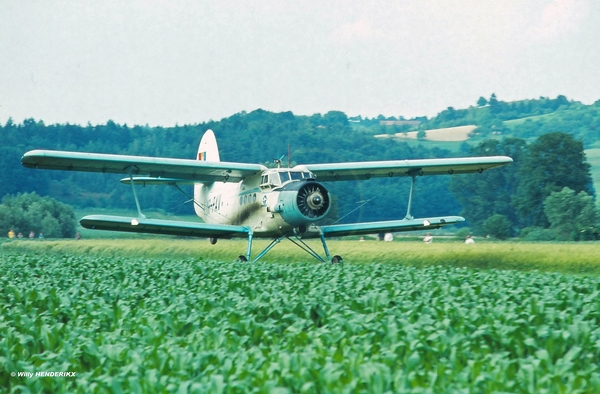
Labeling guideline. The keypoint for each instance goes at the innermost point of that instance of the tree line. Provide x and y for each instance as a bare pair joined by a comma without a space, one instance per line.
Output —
546,193
513,197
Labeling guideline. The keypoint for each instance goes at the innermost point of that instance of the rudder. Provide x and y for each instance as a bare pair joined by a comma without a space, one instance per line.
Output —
208,150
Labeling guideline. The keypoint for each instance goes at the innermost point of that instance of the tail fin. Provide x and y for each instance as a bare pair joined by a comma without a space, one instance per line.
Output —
208,149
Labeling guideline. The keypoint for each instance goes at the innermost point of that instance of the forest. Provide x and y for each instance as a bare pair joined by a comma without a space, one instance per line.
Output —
545,137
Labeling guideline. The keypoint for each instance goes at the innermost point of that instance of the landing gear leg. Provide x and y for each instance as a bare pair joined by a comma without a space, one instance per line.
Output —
264,252
298,242
249,250
325,248
337,259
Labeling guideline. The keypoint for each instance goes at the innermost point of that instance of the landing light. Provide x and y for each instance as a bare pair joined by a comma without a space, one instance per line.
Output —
426,222
134,222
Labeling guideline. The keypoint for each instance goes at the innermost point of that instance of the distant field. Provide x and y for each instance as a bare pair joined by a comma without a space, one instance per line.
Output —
448,134
560,257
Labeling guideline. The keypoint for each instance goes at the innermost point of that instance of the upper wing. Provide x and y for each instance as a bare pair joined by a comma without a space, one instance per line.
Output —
156,167
395,168
342,230
157,226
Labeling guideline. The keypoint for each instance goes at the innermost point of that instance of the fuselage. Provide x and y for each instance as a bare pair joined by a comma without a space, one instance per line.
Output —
276,202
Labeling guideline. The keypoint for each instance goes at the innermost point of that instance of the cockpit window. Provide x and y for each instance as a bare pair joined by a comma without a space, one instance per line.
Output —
285,176
296,175
277,178
274,179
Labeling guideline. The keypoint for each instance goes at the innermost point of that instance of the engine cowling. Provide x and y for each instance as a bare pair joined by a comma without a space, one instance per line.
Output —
303,202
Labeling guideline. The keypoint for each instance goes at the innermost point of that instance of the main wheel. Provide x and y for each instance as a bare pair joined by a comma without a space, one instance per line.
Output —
212,240
337,259
242,258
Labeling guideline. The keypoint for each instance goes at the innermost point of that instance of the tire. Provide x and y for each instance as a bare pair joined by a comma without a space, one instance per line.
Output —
337,259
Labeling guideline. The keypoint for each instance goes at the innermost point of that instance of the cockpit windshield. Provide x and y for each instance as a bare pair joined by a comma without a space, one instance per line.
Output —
297,175
280,176
284,176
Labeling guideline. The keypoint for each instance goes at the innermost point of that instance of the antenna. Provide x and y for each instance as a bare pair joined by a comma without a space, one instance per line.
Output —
289,156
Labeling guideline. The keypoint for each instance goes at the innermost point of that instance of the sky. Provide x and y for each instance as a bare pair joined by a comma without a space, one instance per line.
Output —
161,62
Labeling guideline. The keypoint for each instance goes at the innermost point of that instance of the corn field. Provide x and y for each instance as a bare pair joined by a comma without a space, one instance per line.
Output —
183,325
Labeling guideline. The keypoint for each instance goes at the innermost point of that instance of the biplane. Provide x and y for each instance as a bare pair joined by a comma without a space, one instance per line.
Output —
252,201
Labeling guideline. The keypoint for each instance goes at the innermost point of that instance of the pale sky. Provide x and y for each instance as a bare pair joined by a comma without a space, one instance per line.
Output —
162,62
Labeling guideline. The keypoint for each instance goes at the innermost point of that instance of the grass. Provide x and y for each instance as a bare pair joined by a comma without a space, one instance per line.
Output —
574,258
517,122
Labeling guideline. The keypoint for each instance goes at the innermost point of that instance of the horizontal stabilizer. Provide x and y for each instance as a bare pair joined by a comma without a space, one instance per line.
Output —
390,226
157,226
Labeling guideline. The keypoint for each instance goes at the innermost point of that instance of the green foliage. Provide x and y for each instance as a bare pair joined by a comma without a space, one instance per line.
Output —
462,233
572,216
495,110
497,226
581,121
30,212
194,326
553,161
537,234
489,193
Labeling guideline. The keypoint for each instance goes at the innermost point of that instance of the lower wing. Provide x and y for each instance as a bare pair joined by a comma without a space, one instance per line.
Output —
168,227
342,230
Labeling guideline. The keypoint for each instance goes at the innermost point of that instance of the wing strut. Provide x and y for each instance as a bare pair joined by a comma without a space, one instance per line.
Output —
409,215
137,201
190,198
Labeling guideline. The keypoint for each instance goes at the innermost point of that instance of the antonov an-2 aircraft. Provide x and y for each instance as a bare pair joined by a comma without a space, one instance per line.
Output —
251,200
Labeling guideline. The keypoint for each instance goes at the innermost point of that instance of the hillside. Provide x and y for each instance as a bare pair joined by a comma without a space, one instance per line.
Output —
525,119
260,136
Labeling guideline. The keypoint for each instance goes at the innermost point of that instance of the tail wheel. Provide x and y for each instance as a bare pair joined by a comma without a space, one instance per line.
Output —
337,259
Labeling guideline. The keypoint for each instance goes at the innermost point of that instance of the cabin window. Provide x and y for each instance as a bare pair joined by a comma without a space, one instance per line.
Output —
241,200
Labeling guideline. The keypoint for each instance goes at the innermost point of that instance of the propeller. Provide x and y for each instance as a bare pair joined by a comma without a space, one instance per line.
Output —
313,200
